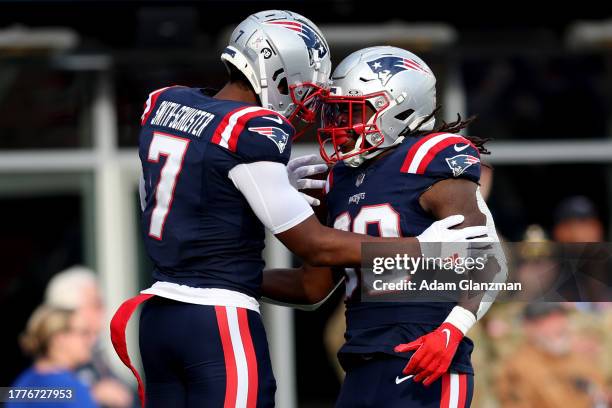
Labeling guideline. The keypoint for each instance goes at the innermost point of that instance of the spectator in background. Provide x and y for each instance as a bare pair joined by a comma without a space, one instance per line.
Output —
578,227
77,289
543,372
576,221
537,267
58,340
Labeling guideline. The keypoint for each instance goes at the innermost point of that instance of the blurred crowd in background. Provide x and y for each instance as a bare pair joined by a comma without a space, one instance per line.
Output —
61,337
528,78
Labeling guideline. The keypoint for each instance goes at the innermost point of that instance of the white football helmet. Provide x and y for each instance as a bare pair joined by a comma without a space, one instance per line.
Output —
285,58
395,85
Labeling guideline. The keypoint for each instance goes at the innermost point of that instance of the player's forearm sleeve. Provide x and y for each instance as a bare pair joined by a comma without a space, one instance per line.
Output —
266,187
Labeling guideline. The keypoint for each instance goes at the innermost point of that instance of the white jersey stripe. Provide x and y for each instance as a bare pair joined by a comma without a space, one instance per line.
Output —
242,370
453,401
227,132
424,148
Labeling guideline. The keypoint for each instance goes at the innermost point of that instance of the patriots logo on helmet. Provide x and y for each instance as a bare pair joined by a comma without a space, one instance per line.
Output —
277,135
313,41
386,67
460,163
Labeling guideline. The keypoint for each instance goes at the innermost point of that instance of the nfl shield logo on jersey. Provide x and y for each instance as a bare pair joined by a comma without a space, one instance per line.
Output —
460,163
277,135
359,180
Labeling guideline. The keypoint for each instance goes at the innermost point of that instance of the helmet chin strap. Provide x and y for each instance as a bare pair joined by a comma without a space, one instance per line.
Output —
358,159
355,161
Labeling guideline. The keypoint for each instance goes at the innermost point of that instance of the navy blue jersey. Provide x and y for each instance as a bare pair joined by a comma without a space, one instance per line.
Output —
198,228
382,199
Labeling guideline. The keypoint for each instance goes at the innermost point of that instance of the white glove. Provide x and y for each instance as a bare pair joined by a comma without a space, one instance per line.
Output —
444,242
440,231
302,167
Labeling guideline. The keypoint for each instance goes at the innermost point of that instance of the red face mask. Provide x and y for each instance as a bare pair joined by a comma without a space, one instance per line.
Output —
308,98
344,119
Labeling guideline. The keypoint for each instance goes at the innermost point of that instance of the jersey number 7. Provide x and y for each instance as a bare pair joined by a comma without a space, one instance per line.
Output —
174,149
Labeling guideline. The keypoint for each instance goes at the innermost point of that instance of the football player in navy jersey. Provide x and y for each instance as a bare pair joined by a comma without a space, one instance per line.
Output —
214,176
394,175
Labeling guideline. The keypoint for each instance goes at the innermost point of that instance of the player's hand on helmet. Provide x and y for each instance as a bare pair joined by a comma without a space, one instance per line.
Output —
440,231
300,168
433,353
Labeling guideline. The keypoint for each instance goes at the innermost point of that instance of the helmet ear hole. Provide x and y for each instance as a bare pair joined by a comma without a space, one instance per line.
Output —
283,86
404,115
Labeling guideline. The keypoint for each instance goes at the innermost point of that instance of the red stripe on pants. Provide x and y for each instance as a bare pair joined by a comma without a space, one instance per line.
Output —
462,390
231,374
249,350
445,397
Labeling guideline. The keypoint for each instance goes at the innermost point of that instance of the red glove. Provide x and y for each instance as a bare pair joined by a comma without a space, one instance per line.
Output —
434,353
